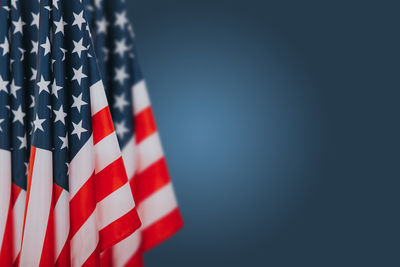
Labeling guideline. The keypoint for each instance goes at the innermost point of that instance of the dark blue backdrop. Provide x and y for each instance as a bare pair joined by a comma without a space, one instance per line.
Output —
278,120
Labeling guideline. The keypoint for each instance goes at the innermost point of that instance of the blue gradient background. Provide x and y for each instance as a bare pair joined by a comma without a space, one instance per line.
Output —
272,120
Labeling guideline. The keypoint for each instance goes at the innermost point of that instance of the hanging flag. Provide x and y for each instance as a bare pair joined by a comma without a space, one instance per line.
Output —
137,133
6,237
77,200
17,65
73,204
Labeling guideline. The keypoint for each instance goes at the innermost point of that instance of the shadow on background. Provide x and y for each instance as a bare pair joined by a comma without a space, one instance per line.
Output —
265,112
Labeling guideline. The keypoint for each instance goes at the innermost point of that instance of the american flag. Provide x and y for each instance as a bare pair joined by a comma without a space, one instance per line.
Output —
73,200
137,133
69,181
16,87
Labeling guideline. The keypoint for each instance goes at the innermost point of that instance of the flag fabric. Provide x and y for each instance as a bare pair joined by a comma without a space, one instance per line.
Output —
6,206
137,133
17,83
78,198
69,180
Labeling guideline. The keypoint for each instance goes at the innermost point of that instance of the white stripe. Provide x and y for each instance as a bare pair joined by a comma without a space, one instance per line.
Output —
114,206
123,251
128,155
61,222
98,98
84,242
140,97
81,167
157,205
106,151
149,151
38,209
18,222
5,190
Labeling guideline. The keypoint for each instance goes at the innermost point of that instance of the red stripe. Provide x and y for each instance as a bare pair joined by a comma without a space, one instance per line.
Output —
47,257
110,179
161,230
15,191
94,259
136,260
106,258
82,205
119,229
102,124
28,191
64,258
150,180
57,192
145,124
6,249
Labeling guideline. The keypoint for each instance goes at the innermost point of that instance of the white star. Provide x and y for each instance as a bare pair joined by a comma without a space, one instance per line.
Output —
97,3
5,46
63,51
46,46
78,47
120,129
88,49
78,75
18,115
55,3
66,163
102,25
35,20
89,8
14,3
78,129
64,141
1,121
35,46
14,88
32,105
26,167
88,30
60,26
37,123
78,102
60,115
22,53
18,25
106,52
120,102
121,19
55,88
120,75
22,139
130,29
3,85
43,85
78,20
121,47
34,72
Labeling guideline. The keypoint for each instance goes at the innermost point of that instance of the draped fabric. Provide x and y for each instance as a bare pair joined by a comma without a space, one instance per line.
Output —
83,178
